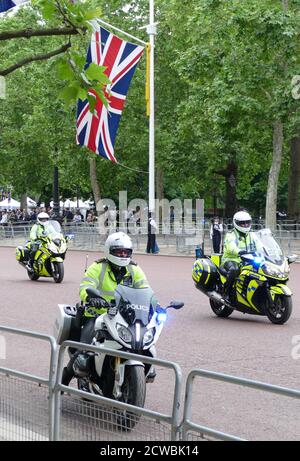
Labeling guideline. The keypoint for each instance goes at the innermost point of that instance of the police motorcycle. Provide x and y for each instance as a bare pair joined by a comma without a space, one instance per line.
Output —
261,287
50,255
133,323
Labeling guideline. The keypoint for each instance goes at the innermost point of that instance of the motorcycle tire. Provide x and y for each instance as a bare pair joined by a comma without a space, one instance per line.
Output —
220,310
281,312
33,275
58,273
133,393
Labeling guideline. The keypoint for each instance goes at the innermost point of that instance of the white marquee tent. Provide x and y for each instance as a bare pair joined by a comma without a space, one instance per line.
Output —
10,204
13,204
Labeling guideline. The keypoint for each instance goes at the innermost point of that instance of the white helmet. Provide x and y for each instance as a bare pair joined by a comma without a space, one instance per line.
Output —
118,249
43,218
242,221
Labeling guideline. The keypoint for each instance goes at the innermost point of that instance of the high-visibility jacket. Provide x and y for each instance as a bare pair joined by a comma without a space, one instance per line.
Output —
37,231
236,241
101,277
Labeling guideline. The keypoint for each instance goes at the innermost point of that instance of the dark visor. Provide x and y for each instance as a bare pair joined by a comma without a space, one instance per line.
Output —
243,223
121,252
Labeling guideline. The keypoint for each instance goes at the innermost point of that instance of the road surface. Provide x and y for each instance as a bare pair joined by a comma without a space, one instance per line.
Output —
246,346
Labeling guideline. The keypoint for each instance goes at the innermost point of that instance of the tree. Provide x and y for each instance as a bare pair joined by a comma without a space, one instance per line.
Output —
60,18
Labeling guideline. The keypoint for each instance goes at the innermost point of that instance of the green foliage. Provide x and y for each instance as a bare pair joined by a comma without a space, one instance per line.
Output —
223,75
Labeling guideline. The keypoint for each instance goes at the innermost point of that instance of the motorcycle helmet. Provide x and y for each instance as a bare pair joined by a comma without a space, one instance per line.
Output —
118,249
242,222
43,218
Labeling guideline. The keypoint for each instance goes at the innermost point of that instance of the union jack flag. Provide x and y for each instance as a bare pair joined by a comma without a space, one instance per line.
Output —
98,130
6,5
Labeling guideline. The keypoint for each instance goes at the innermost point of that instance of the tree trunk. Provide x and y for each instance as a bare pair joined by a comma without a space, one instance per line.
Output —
271,203
294,180
24,201
230,175
94,181
285,5
230,199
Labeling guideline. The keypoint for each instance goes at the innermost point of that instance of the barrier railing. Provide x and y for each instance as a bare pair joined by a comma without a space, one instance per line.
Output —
103,416
20,417
190,428
38,408
88,237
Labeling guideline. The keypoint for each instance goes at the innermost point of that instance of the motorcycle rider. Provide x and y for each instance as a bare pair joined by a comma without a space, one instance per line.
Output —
237,242
104,275
38,231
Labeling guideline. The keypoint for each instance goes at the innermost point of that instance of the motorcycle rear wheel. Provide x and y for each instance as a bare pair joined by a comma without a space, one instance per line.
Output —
220,310
58,273
281,312
134,393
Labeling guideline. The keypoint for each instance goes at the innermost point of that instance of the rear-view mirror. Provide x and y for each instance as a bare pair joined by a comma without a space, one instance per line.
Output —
291,259
176,304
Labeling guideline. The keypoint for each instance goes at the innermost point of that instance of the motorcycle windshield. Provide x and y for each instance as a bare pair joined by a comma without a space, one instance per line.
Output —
54,230
135,303
270,248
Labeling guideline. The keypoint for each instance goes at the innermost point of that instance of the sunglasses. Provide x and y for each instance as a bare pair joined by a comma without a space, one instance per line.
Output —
44,220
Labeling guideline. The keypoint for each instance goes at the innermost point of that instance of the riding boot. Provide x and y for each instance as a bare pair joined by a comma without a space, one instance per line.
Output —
68,372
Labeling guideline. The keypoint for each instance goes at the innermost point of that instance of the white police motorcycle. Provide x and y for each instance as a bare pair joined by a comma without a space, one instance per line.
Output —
133,323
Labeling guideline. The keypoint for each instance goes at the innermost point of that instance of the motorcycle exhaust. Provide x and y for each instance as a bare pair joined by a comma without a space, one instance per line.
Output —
218,298
215,296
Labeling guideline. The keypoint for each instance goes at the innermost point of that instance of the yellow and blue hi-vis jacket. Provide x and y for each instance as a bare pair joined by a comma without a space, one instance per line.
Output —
101,277
236,241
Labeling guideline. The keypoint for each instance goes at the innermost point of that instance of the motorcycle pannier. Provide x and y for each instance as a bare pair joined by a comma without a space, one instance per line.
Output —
65,328
205,274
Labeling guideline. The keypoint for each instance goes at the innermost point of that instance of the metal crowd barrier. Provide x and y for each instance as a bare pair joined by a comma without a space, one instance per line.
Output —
194,431
36,408
27,401
178,241
81,415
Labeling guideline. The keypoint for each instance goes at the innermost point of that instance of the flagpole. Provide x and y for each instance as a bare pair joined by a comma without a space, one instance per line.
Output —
151,30
104,23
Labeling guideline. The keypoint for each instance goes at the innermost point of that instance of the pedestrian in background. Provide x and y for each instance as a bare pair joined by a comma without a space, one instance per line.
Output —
152,246
216,230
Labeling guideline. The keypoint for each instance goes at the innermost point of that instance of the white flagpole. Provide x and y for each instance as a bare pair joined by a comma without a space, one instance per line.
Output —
104,23
151,30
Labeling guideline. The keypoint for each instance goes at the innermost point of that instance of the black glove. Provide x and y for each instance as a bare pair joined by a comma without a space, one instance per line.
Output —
243,252
97,303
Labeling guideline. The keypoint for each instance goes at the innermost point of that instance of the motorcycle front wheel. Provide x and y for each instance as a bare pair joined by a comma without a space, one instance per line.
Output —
33,275
220,309
281,311
134,393
58,272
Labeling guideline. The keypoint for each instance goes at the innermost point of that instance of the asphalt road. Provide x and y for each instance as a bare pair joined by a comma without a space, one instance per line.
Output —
246,346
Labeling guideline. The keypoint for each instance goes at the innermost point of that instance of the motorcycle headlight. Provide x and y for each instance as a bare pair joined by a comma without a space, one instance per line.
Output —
272,271
148,337
63,247
124,333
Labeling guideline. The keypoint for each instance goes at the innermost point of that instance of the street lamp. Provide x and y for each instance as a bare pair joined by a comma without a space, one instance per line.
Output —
56,207
55,189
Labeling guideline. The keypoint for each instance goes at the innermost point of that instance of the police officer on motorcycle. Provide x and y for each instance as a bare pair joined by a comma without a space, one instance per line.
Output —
38,231
104,275
237,242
